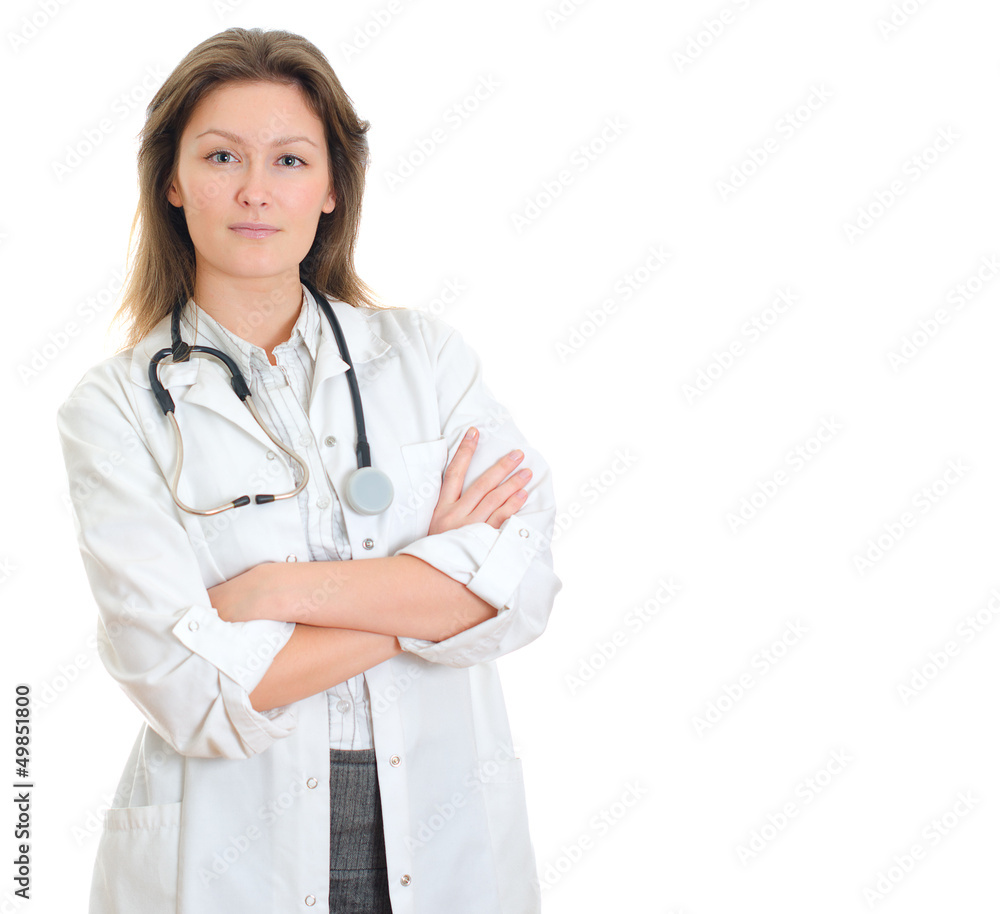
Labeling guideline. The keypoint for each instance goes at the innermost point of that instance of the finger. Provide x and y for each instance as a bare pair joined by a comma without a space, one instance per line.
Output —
510,507
490,479
498,497
454,473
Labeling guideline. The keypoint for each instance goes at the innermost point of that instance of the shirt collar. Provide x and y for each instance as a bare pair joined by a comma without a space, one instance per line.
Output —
249,357
358,323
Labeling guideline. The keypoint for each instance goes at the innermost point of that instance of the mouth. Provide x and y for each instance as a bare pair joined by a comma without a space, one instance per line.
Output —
254,229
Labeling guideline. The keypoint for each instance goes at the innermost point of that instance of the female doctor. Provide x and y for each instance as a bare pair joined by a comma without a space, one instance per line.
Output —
324,726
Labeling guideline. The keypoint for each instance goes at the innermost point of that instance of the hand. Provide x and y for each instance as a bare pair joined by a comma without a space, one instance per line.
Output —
489,499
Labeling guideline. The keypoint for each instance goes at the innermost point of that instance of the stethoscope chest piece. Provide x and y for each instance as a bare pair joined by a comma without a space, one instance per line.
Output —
369,490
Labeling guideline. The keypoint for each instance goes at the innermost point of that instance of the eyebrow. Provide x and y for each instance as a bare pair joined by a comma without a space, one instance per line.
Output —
280,141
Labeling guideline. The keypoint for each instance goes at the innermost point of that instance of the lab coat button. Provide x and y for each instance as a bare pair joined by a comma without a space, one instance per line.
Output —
291,558
394,761
404,879
323,503
305,439
271,455
311,783
329,441
343,705
524,531
193,626
310,900
368,544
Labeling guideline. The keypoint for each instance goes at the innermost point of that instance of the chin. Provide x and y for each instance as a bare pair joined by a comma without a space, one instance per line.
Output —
250,268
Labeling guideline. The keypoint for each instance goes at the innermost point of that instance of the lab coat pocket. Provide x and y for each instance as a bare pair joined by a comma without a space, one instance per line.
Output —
425,463
501,771
137,861
502,782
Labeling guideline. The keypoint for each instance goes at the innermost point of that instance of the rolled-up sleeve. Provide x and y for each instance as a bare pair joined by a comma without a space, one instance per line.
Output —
511,567
188,671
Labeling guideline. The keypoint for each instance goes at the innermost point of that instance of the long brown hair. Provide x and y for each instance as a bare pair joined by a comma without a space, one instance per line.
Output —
163,269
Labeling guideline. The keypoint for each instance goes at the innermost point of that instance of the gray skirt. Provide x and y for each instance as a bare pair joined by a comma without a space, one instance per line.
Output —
358,879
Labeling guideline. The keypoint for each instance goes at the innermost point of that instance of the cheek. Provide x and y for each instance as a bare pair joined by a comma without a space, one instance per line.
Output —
205,195
201,227
304,198
206,220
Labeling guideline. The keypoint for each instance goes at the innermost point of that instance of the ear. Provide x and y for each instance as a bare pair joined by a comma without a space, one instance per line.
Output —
331,201
174,197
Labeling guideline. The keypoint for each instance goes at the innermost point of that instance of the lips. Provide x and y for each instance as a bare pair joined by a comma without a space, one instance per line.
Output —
254,229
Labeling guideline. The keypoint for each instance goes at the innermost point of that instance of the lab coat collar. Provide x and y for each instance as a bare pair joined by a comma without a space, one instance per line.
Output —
198,380
362,342
246,354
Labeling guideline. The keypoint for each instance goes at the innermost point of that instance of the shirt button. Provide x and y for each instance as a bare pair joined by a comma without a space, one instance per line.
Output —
394,761
524,532
324,502
291,558
193,626
311,783
368,544
343,705
305,439
271,455
329,441
310,900
404,879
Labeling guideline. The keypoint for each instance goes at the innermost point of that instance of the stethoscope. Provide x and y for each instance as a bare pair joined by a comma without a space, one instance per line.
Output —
369,490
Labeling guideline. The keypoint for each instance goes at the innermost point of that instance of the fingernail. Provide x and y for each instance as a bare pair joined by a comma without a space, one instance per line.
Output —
470,434
525,472
514,454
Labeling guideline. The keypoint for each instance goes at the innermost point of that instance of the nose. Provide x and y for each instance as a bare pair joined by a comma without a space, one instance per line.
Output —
255,187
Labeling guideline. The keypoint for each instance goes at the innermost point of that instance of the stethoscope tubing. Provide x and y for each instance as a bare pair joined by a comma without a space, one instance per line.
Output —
179,351
363,450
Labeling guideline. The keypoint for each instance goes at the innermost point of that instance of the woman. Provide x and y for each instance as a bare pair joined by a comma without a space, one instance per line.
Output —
320,731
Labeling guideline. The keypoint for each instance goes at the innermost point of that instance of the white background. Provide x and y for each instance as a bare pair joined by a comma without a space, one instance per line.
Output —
813,114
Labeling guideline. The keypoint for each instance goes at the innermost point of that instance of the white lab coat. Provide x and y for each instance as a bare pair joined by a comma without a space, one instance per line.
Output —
222,808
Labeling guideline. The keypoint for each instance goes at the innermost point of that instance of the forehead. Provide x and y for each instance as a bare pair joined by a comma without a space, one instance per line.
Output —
258,111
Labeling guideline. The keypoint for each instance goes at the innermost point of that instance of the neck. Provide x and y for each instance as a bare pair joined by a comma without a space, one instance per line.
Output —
260,310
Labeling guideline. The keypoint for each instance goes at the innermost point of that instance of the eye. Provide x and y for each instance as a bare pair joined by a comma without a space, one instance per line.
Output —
222,152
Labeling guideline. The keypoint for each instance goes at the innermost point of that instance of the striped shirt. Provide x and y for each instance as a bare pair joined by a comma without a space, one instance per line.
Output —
281,393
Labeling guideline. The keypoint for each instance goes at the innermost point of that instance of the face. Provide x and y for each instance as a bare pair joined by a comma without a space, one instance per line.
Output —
252,153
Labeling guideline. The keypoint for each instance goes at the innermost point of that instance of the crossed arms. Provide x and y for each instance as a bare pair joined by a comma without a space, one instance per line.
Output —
348,614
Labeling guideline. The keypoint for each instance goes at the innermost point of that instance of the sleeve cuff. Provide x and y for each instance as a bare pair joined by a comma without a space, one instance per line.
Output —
490,563
459,553
259,729
513,549
241,650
